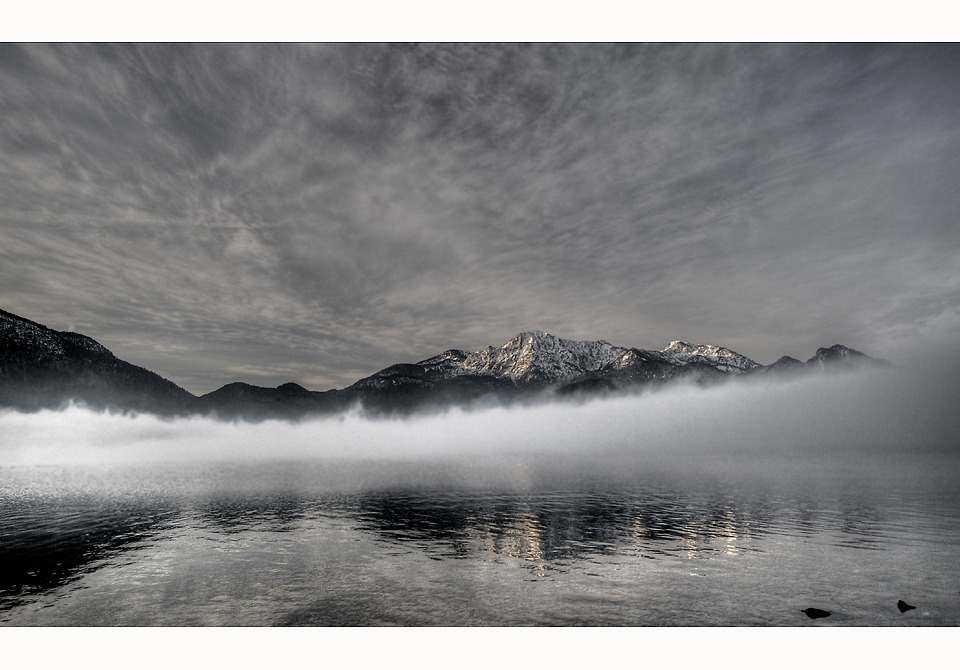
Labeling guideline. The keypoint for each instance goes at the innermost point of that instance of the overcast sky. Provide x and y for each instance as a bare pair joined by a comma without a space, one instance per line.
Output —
315,213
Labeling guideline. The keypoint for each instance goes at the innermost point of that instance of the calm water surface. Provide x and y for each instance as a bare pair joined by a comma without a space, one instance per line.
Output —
511,543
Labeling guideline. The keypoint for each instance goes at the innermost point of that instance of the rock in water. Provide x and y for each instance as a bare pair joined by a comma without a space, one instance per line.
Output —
815,613
903,607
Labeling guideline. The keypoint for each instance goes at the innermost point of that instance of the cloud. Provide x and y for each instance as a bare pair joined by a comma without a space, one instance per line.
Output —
276,213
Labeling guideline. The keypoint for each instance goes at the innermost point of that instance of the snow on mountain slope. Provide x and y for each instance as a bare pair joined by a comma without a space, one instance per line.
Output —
23,341
24,334
540,357
682,353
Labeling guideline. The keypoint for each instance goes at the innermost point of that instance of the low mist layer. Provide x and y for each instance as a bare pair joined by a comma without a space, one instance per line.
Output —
872,410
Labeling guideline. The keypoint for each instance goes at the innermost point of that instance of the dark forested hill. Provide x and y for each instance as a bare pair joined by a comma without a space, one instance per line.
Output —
43,368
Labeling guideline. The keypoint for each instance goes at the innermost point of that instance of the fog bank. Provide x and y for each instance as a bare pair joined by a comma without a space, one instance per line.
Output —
878,410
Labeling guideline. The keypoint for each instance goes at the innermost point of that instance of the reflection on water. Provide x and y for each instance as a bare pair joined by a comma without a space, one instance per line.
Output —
48,543
562,524
275,513
179,547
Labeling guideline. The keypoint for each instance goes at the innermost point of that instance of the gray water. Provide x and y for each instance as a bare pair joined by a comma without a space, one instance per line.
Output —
731,505
516,541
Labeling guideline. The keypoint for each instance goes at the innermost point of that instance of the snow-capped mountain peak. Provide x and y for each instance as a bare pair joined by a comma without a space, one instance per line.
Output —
684,353
539,356
536,356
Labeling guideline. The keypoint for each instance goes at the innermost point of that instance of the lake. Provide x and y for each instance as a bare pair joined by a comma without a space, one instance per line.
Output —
729,539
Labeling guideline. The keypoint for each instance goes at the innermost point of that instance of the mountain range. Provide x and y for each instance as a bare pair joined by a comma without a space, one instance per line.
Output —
44,368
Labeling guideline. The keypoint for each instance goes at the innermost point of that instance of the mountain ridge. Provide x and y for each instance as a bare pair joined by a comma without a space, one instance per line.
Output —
44,368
